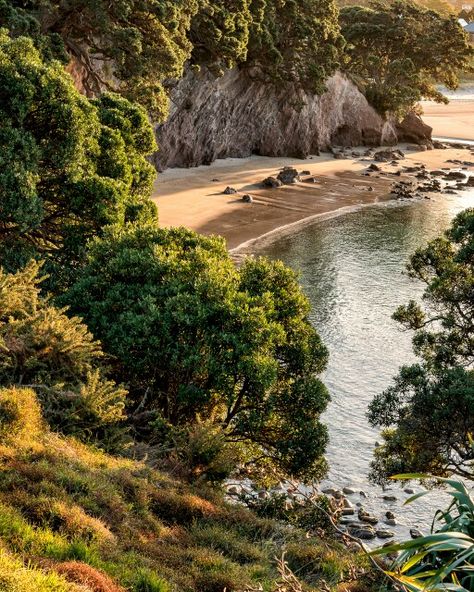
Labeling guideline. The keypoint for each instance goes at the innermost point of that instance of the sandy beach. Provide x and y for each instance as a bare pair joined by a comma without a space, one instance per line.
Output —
194,197
454,120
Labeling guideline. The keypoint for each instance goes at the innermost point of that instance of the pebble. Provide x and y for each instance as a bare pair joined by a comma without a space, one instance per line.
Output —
348,490
247,199
390,498
385,534
409,490
389,515
415,533
391,522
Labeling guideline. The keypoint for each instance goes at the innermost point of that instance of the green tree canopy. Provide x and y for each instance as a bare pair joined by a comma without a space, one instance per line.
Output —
130,46
400,50
295,41
197,339
43,349
428,413
68,165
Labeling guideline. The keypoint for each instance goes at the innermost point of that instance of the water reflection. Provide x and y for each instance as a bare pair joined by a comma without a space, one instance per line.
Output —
352,269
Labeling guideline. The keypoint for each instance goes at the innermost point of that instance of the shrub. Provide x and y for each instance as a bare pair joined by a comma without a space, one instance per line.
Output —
20,416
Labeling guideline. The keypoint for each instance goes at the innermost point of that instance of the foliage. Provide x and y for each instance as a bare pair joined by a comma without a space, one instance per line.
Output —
442,560
197,339
130,46
443,382
295,41
44,349
398,51
220,33
68,166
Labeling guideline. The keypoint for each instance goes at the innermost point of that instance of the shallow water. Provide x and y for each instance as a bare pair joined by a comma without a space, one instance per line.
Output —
352,269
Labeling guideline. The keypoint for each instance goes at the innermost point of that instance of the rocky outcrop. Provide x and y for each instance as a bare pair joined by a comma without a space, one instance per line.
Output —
236,116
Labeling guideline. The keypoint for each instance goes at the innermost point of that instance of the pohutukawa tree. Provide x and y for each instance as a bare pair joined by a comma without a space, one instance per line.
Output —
198,340
399,51
68,166
428,413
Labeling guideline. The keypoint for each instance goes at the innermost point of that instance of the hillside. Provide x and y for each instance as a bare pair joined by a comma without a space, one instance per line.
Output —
73,519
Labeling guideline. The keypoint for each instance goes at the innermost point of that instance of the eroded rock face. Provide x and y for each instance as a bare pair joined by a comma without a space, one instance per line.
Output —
236,116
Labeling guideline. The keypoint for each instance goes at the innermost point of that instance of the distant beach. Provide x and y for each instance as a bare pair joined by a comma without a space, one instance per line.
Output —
194,197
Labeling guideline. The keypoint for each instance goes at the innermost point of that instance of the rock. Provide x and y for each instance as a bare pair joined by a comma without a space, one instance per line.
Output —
439,145
247,199
470,181
389,515
366,517
347,511
272,182
409,490
385,534
233,490
362,532
346,503
288,176
391,522
339,155
263,495
455,176
215,180
413,129
388,155
415,533
437,173
229,191
374,167
348,490
338,494
329,491
362,494
305,173
370,188
310,180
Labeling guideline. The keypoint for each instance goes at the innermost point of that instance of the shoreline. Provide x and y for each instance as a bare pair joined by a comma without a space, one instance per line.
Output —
194,197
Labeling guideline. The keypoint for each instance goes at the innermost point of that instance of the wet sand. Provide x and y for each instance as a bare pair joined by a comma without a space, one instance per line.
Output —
193,197
455,120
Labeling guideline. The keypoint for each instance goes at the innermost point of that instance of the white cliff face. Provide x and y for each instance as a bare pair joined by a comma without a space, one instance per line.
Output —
235,116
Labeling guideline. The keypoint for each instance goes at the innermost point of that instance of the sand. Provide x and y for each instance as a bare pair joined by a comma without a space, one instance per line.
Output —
193,197
455,120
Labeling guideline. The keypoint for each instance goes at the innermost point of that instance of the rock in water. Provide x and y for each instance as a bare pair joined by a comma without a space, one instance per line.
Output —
415,533
385,534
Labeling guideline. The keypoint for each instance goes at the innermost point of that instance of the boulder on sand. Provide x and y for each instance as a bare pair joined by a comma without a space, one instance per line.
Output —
272,182
288,176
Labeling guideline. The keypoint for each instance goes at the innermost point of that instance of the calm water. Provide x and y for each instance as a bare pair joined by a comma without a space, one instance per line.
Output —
352,271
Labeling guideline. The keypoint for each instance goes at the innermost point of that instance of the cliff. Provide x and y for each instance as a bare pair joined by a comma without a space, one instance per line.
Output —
236,116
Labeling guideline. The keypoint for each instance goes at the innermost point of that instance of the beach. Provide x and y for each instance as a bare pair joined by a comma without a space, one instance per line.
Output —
454,120
194,197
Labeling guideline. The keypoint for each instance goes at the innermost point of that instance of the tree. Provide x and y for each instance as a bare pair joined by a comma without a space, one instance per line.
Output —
41,348
400,50
428,412
68,165
198,340
295,42
130,46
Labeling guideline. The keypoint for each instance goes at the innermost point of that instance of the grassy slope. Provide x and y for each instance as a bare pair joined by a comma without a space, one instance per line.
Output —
65,507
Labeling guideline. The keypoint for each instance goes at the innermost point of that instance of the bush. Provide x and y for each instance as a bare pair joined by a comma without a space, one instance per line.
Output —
57,357
20,416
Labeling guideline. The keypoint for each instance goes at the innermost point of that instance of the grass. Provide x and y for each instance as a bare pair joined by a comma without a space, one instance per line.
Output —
75,519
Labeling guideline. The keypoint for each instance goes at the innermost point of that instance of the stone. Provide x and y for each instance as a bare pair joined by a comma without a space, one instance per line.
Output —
348,490
362,532
409,490
414,129
339,155
346,503
229,191
272,182
247,199
366,517
439,145
374,167
385,534
437,173
362,494
310,180
329,491
389,515
470,181
388,155
415,533
305,173
455,176
347,511
288,176
391,522
215,180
